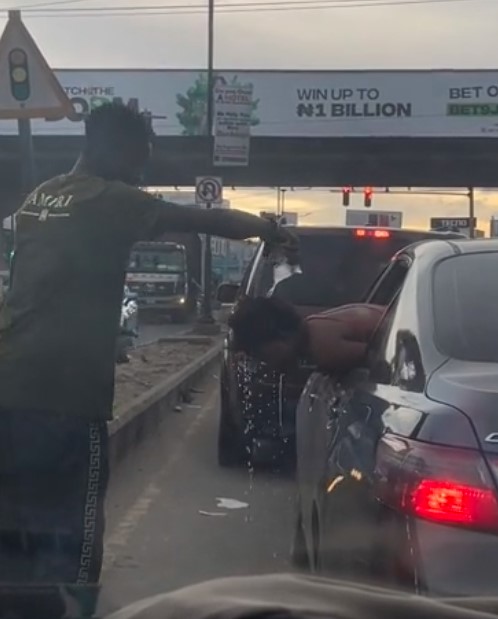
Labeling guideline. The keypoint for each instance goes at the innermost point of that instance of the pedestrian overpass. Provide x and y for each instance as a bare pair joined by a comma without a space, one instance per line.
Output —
308,128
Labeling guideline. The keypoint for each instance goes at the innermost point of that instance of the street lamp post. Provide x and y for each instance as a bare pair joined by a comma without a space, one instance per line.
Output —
471,213
283,202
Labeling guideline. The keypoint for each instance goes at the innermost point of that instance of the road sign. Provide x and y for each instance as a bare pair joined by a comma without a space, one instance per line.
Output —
28,87
449,223
209,190
289,218
381,219
232,125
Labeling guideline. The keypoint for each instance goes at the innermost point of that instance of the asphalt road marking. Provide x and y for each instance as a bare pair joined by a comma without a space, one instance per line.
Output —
120,536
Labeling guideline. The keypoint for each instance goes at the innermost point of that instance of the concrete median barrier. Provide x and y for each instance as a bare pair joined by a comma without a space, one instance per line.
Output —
140,417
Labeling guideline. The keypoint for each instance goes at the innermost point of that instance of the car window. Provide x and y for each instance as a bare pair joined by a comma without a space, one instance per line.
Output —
407,367
393,354
263,278
465,292
378,359
389,283
247,274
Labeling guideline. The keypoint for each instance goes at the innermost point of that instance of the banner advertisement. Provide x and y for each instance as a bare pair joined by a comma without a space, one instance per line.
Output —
232,125
442,103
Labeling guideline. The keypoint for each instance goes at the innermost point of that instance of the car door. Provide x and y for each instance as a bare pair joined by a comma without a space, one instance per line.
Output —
346,515
280,392
311,447
233,372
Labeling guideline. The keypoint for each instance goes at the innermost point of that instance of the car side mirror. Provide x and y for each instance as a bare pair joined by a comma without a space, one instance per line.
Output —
226,294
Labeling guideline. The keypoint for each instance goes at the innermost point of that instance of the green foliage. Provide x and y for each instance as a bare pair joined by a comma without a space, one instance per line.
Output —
193,104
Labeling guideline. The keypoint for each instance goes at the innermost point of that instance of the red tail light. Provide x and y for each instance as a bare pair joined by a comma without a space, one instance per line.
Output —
446,485
455,503
364,233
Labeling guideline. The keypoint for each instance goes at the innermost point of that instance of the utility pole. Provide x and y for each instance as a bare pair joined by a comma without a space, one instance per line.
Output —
282,203
28,173
471,213
206,319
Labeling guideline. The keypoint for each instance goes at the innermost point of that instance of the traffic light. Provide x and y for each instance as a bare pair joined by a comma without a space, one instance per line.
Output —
346,194
367,194
19,74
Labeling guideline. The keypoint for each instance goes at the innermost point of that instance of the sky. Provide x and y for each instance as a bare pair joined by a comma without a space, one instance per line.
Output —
348,34
322,207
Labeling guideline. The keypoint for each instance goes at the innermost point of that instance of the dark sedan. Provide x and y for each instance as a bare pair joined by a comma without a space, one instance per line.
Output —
398,461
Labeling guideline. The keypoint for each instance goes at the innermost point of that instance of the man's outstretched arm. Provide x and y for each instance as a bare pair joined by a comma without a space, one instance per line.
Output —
227,223
150,218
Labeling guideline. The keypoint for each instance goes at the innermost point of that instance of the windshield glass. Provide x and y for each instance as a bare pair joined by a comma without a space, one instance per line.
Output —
157,260
465,292
186,393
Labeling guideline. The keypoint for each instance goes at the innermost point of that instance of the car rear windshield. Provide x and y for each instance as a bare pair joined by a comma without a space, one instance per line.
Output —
466,307
338,268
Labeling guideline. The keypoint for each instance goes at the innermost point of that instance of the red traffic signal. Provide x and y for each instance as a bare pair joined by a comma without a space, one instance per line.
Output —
367,194
346,194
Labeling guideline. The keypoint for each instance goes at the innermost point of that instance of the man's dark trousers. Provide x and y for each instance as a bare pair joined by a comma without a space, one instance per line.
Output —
53,480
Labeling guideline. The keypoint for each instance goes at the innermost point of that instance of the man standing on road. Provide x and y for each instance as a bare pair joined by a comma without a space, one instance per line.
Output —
58,329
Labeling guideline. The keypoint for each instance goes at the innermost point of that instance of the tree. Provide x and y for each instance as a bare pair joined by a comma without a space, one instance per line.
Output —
193,104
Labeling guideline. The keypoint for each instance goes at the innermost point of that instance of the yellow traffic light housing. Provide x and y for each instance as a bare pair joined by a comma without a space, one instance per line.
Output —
19,74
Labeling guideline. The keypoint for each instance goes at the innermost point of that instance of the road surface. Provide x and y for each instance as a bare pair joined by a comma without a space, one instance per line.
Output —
158,539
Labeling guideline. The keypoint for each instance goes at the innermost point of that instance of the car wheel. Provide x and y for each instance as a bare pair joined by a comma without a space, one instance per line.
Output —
231,446
299,554
344,534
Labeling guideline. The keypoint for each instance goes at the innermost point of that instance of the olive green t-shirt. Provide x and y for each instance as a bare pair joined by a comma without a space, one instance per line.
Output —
60,319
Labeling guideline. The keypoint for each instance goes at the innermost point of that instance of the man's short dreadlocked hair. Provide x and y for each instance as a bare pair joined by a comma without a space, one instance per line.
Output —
114,130
261,320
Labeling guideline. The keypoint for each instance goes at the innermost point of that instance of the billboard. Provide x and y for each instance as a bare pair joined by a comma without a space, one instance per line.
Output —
368,217
442,103
232,125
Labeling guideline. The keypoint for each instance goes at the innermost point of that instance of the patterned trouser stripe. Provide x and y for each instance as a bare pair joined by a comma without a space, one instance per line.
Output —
91,504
